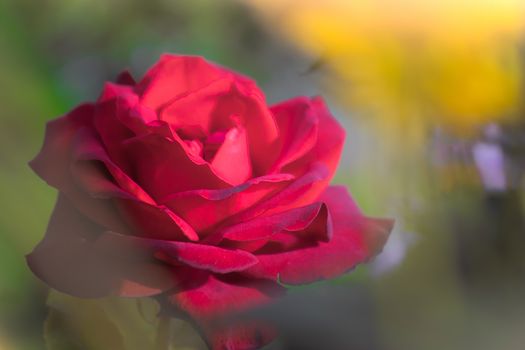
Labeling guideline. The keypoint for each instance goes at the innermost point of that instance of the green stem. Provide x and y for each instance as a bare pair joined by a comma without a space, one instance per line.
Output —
163,339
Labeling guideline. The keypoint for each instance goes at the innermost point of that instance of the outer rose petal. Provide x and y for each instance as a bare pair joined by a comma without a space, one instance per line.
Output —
251,336
173,76
86,148
355,240
125,78
109,181
205,296
326,151
119,107
52,163
144,218
195,109
311,222
107,120
330,140
298,127
290,197
68,161
199,256
209,298
70,260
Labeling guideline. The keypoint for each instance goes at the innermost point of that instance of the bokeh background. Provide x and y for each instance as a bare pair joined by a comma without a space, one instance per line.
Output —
431,95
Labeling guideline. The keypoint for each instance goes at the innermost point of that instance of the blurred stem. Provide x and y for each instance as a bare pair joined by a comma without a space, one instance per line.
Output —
163,340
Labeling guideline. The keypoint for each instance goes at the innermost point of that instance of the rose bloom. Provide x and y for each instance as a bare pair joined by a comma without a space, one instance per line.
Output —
188,187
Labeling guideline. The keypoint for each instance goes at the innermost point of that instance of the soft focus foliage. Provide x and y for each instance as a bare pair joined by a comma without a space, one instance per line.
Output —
109,323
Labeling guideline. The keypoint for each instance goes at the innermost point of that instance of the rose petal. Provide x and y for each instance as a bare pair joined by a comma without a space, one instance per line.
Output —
296,194
327,151
110,129
53,165
195,108
355,240
232,160
142,212
173,76
87,148
208,299
246,102
215,106
200,256
285,196
330,139
205,296
53,160
156,221
204,209
68,259
312,221
162,167
253,335
298,128
207,257
125,78
144,218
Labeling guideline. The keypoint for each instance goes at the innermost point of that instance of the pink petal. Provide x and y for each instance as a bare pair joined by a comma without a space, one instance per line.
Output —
207,257
107,180
54,160
208,298
205,296
86,147
205,208
311,221
232,160
298,128
195,108
246,102
52,163
175,75
355,240
245,336
143,217
163,166
296,194
200,256
72,149
326,151
330,138
156,221
69,260
213,106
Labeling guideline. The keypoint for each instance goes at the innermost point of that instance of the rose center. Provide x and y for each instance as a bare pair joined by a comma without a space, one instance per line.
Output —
200,144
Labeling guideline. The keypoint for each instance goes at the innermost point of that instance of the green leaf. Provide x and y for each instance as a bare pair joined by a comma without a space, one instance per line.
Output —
78,324
111,323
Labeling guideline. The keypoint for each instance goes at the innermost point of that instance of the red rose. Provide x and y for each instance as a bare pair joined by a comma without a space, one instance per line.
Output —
187,184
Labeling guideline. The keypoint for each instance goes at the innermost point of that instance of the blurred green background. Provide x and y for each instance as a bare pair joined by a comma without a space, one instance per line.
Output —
436,139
